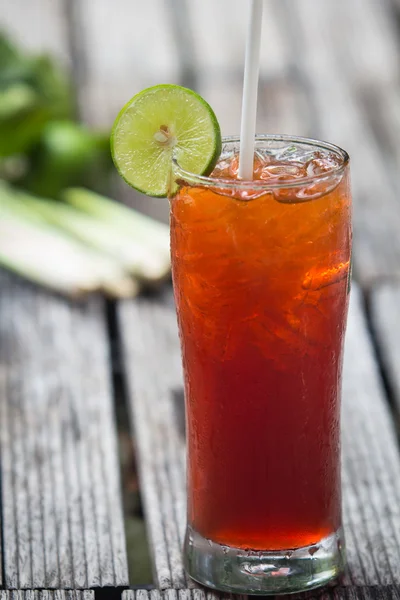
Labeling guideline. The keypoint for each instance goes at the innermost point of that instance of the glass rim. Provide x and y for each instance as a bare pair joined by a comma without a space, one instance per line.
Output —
260,184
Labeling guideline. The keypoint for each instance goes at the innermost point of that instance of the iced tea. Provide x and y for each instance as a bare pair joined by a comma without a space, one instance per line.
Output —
261,279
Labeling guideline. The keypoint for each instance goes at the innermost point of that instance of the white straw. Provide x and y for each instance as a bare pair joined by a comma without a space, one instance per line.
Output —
250,89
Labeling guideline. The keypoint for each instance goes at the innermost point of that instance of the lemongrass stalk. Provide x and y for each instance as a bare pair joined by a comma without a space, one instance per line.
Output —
45,256
124,219
133,255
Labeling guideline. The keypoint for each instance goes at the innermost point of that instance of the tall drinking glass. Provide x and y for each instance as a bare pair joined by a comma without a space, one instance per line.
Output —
261,277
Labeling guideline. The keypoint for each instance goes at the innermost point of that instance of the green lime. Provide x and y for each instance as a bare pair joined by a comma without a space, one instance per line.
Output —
160,123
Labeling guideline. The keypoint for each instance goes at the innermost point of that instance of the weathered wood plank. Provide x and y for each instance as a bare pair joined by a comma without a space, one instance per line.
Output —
161,465
122,50
63,524
220,44
219,41
373,73
371,462
181,26
387,592
46,595
385,302
173,594
38,25
318,29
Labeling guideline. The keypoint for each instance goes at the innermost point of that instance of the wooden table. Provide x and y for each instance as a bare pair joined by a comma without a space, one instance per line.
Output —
330,69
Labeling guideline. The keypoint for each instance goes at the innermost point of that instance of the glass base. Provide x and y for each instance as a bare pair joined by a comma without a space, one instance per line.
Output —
264,572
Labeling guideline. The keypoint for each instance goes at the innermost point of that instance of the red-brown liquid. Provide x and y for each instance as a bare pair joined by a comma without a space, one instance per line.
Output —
261,288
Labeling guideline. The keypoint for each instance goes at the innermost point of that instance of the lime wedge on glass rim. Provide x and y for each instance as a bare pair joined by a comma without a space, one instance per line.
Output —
158,124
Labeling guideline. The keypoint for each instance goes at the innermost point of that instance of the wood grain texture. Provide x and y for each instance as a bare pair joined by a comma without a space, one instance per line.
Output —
374,73
123,47
385,303
371,462
220,45
38,25
46,595
387,592
148,331
321,38
182,594
63,524
173,594
219,41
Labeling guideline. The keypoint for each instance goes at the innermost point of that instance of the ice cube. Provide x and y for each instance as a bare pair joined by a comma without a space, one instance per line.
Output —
283,172
221,169
321,163
318,188
295,153
234,166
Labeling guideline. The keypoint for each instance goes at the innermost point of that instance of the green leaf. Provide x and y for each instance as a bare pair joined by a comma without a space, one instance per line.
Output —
21,131
16,100
33,91
67,154
8,52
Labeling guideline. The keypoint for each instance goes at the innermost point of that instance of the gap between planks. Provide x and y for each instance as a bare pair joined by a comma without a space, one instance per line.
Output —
62,511
384,310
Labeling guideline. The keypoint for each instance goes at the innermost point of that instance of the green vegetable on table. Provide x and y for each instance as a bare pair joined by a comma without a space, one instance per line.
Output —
37,122
33,91
141,256
32,248
73,252
67,154
69,239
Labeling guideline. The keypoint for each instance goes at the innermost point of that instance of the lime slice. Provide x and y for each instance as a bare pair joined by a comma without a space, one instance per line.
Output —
160,123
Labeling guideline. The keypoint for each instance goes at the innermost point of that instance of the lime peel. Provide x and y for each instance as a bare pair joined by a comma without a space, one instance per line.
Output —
158,124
